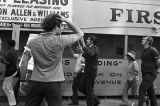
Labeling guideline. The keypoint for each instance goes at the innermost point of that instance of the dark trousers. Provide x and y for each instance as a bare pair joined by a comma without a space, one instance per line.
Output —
51,91
88,87
147,86
75,85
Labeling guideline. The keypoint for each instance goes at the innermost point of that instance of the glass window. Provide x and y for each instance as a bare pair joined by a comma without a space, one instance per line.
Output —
5,35
134,44
110,46
156,43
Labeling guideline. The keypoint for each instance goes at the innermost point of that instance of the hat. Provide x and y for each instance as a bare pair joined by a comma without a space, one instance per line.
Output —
131,54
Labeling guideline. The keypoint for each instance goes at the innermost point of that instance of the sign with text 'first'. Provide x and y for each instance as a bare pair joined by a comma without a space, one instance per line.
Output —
29,13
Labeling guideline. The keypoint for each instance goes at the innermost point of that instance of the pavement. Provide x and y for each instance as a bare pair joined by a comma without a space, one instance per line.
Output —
105,101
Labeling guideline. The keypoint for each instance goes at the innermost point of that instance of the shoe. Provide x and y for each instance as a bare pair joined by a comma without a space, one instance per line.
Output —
133,104
124,104
73,104
97,103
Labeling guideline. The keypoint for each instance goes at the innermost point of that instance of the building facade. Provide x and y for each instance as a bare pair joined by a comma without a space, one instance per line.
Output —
118,24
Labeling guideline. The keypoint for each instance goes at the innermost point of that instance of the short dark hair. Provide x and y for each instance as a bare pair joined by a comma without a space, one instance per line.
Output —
150,39
11,43
93,38
50,22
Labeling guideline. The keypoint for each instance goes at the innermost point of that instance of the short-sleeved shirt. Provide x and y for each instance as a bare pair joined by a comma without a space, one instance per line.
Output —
148,57
47,50
79,61
12,59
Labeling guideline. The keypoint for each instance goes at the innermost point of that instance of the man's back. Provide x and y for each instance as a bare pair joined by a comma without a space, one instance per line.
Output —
47,51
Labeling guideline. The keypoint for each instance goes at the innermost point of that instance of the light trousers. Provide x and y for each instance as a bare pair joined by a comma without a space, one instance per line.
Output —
8,89
129,84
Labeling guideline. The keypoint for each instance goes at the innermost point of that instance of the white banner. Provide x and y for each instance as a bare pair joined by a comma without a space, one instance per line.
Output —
31,12
110,78
103,14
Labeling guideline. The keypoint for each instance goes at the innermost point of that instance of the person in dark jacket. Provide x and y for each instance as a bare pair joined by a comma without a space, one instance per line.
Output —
150,63
91,59
10,74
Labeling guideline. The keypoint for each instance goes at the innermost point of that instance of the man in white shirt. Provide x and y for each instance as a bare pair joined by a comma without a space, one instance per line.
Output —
79,69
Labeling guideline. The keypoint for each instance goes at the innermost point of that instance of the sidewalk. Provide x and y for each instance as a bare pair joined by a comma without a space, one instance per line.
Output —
105,101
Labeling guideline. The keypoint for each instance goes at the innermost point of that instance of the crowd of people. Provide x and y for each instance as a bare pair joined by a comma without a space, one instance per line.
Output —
47,75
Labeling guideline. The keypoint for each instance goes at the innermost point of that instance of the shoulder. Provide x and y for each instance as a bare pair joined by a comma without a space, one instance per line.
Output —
62,36
31,41
12,53
76,55
153,49
34,37
64,39
95,48
135,63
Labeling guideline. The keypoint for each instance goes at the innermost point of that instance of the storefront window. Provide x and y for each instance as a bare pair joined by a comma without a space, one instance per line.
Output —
5,36
156,43
134,44
110,46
